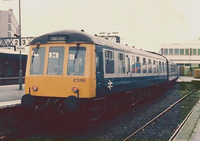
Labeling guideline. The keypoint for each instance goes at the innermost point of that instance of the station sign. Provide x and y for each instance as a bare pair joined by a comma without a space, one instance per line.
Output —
11,42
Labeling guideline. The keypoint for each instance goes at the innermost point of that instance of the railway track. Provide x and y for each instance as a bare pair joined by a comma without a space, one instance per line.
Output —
25,129
36,126
15,122
66,132
21,132
158,116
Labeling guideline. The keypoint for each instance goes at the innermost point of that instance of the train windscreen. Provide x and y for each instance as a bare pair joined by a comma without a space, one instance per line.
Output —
37,61
55,61
76,61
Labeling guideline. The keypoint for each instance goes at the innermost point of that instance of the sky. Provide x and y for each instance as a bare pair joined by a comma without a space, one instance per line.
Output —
145,24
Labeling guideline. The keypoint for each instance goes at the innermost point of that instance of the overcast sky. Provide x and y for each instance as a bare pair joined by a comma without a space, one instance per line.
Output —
144,24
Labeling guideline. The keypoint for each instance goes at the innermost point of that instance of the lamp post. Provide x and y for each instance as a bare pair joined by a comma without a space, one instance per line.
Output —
20,69
19,22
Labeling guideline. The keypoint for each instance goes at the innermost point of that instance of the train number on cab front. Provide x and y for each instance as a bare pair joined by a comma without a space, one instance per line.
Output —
79,80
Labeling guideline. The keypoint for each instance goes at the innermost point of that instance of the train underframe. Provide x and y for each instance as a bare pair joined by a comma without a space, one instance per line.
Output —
92,109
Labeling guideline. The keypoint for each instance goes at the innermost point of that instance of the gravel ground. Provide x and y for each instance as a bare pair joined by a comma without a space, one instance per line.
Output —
120,126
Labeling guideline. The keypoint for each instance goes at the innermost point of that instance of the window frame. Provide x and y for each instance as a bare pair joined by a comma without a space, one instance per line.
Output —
68,60
123,56
104,62
44,63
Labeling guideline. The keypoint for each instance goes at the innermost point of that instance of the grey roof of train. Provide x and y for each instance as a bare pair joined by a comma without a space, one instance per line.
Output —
82,37
73,36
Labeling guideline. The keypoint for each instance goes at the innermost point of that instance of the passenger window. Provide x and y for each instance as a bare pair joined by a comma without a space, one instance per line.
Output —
121,63
133,64
128,65
138,65
154,66
76,61
163,67
160,67
109,62
149,66
157,67
144,66
55,61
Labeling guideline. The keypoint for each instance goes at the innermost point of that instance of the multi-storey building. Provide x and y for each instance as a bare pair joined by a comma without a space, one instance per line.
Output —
8,23
186,55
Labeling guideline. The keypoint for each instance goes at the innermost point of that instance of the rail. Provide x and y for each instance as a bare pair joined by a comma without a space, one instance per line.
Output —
158,116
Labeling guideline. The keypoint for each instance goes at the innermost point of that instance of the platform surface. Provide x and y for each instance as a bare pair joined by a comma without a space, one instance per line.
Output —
187,79
11,92
191,129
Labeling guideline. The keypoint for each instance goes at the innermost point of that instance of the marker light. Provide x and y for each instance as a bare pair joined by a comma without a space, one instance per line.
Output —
75,89
35,88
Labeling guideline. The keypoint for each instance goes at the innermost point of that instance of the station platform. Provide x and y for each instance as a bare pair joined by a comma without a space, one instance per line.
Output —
187,79
190,130
11,94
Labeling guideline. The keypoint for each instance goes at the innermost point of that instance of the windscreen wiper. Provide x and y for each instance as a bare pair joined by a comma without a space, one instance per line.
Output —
77,49
35,52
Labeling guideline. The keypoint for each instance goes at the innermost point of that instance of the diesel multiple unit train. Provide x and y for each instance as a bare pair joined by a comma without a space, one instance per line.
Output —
70,71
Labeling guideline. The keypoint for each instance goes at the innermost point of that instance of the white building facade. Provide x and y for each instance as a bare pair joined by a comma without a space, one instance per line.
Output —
186,55
8,24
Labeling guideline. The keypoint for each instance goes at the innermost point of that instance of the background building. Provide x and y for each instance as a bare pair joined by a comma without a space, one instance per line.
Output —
186,55
8,23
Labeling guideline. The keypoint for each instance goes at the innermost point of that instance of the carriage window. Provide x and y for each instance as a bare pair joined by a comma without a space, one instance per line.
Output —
121,63
154,66
133,64
128,65
37,61
144,66
160,68
138,65
163,67
76,61
157,67
55,62
109,62
149,66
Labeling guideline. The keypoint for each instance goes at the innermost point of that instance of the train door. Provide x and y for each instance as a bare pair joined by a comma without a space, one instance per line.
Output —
99,70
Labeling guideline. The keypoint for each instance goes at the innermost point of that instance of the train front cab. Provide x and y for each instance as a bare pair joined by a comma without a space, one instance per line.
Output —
60,71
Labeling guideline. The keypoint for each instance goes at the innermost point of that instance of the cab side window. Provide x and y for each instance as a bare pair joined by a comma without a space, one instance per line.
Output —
98,63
